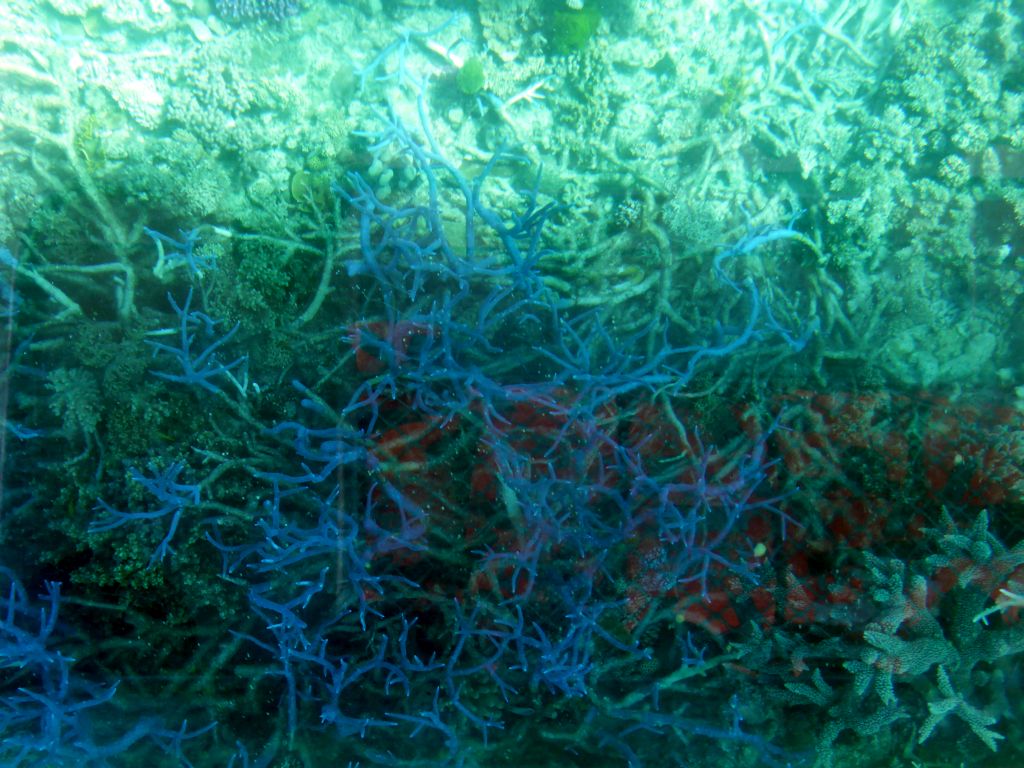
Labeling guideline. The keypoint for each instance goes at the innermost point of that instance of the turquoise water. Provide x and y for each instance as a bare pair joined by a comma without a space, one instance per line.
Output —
511,383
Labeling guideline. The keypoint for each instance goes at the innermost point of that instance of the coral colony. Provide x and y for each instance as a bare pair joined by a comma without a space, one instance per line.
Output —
437,513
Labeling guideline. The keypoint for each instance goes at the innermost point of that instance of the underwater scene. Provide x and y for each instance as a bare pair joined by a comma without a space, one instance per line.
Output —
512,383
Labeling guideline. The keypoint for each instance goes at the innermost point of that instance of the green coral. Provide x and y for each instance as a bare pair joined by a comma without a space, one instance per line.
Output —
76,399
470,78
310,189
261,283
571,30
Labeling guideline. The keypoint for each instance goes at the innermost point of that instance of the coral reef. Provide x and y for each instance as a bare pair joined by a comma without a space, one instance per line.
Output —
514,382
